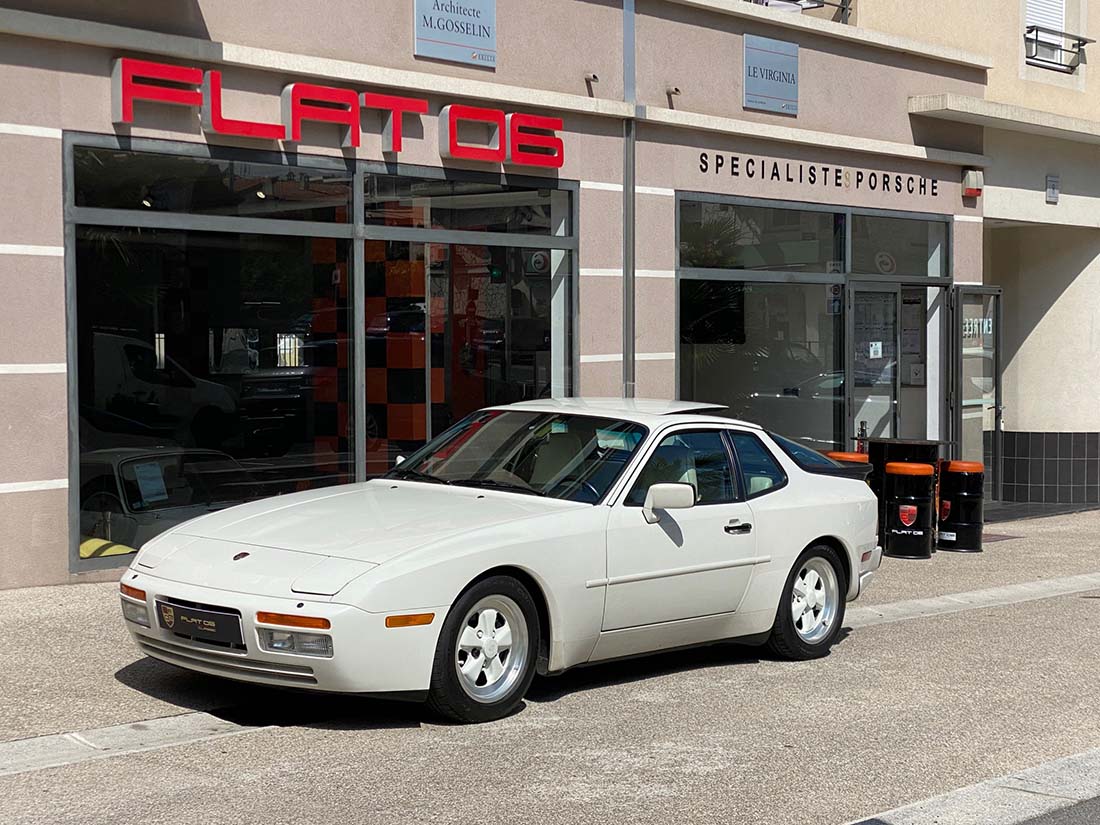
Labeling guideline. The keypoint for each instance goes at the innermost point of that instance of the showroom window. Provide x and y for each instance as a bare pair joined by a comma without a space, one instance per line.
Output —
738,236
812,320
241,332
898,246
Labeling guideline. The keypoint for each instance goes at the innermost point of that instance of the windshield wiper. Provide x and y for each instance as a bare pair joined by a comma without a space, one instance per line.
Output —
415,475
496,485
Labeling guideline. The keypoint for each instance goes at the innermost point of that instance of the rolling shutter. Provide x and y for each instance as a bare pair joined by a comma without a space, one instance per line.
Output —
1050,14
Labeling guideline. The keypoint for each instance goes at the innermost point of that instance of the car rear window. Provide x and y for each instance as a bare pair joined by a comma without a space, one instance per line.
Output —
805,457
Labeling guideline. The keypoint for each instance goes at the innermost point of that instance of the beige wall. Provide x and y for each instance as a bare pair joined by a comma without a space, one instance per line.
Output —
1051,280
1016,182
366,32
844,88
996,29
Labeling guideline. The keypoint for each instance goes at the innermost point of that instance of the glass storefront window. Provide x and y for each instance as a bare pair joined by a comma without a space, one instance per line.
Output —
898,246
772,352
488,313
426,203
119,179
735,236
213,369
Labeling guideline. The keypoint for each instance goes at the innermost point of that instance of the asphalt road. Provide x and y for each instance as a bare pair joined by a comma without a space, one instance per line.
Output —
898,713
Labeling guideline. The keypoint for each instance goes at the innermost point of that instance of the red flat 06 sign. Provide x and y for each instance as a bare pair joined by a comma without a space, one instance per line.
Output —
492,135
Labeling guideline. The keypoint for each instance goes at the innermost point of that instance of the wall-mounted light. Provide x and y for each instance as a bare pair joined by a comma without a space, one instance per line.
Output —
672,91
591,77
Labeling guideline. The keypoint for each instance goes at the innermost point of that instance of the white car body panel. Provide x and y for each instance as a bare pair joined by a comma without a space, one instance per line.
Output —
612,584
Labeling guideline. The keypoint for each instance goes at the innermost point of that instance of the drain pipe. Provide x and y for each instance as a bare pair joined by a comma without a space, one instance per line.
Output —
629,126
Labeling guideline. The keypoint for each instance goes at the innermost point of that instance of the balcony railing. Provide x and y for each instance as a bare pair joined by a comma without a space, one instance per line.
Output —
1052,49
843,7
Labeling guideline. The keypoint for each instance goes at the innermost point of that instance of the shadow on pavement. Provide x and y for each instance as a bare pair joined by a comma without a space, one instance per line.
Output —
258,705
650,665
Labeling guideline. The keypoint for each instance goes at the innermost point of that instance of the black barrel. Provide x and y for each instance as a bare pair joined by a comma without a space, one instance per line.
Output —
961,517
909,510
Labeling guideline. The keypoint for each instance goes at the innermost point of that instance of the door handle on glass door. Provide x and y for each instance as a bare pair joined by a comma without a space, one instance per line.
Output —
736,527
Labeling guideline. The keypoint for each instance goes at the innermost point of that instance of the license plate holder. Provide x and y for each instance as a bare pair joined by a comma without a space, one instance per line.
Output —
205,625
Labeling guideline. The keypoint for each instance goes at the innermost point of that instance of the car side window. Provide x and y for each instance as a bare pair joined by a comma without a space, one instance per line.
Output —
696,458
760,471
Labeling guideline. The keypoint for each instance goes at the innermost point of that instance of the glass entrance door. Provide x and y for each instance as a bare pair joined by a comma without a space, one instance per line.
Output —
873,330
978,389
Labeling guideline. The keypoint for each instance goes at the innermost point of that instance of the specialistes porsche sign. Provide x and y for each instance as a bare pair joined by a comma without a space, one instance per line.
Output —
514,138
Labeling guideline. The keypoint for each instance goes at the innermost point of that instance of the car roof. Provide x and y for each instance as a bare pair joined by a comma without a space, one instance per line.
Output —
641,410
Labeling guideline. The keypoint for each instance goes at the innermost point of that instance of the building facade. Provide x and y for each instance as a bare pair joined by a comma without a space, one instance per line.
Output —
1040,122
246,256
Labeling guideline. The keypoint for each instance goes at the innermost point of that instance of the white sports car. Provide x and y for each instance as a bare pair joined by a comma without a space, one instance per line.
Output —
527,538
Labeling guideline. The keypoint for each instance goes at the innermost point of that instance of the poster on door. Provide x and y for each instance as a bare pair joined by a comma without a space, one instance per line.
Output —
875,339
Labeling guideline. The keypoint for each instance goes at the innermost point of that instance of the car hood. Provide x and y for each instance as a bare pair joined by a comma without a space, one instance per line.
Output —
369,522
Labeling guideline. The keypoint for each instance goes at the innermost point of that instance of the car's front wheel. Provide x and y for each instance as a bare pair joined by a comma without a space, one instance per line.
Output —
811,609
485,658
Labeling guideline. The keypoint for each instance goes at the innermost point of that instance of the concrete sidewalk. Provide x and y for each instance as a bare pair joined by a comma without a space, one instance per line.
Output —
899,712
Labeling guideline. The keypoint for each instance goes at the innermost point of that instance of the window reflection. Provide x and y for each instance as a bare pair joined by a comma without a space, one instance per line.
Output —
734,236
119,179
478,206
213,369
772,352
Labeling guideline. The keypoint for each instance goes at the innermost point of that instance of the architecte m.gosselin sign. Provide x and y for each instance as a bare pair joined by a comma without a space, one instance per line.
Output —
461,31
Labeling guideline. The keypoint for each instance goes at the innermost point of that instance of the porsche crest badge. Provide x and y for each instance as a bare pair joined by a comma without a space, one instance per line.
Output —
908,514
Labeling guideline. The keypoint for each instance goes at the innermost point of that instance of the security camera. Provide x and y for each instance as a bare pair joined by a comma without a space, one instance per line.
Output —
591,77
672,90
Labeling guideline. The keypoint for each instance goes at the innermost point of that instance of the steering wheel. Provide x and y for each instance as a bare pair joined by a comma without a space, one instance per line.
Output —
581,482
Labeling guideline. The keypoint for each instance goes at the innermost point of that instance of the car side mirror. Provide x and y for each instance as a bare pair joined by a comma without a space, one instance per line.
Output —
671,496
398,460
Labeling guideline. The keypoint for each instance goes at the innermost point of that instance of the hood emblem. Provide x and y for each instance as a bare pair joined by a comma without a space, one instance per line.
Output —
168,614
240,556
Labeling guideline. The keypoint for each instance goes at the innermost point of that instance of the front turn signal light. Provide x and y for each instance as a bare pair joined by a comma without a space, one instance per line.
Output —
410,620
132,592
290,620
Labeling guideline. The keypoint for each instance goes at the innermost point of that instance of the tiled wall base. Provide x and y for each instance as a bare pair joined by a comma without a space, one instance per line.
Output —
1061,468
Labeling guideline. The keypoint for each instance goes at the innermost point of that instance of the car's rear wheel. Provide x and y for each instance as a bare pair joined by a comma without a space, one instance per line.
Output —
811,609
485,658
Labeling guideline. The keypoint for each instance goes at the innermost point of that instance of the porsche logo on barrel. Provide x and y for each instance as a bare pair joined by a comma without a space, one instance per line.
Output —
908,514
168,615
945,509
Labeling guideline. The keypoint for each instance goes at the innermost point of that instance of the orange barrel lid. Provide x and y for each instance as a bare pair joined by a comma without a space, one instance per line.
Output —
904,468
851,458
965,467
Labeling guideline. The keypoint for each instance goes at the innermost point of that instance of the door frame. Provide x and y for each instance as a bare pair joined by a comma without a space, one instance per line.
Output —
954,394
854,287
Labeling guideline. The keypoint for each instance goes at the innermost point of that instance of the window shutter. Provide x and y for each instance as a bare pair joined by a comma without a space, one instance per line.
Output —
1050,14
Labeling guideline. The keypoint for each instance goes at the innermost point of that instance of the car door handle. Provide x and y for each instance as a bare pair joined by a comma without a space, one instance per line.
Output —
735,527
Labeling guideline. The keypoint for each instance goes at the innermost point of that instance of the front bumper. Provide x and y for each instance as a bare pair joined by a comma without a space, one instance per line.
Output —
367,656
867,570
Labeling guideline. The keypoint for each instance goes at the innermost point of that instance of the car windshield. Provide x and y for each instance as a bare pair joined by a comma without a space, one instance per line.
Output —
160,482
572,457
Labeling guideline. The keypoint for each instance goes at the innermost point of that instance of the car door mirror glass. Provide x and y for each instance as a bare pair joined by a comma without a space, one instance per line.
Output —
668,496
398,460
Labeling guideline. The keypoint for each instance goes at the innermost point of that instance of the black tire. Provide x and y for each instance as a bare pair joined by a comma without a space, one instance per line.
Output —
446,695
785,640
